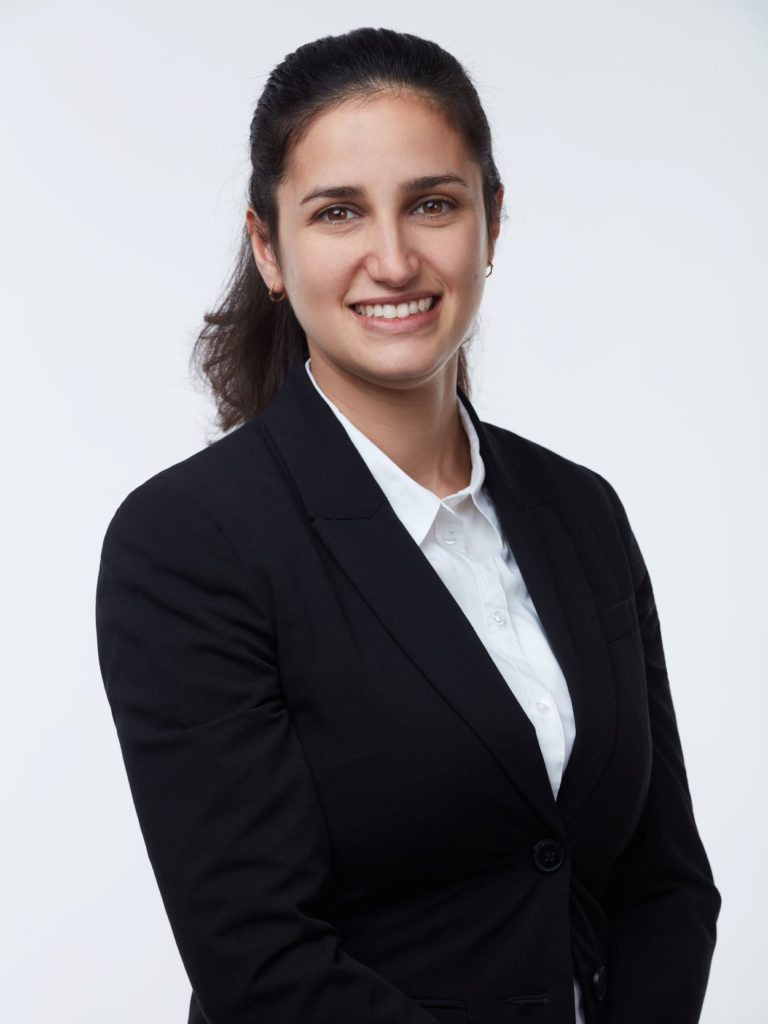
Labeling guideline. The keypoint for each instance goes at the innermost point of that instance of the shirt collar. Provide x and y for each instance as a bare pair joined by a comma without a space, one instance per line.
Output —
414,505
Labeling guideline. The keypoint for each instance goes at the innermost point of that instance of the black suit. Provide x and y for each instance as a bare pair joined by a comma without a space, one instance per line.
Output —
346,809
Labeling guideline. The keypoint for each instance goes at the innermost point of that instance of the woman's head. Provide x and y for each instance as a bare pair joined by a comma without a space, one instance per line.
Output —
369,82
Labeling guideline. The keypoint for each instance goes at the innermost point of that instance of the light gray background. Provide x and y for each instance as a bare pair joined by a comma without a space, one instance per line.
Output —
624,326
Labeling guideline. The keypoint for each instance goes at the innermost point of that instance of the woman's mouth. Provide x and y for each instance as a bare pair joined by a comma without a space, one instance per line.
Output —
397,318
399,311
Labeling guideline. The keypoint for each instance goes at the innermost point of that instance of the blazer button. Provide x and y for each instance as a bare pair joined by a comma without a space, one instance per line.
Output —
548,855
599,983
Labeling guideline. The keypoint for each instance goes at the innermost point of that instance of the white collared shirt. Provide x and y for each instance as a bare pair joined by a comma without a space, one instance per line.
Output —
461,537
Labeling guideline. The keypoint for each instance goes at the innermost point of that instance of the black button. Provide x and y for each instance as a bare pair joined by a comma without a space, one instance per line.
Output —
548,855
599,983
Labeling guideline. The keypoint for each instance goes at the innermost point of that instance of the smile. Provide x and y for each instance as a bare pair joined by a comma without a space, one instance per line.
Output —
388,311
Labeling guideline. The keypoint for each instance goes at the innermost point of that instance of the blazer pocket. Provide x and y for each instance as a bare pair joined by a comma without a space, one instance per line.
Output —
537,999
619,620
449,1011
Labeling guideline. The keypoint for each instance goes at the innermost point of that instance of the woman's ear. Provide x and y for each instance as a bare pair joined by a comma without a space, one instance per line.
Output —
263,252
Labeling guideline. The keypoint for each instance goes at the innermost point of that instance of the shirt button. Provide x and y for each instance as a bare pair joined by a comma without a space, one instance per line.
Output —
543,705
449,537
498,617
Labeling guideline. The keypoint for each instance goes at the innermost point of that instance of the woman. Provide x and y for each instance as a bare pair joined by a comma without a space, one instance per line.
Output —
388,680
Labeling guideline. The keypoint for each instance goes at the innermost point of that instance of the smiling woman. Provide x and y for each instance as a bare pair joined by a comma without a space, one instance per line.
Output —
412,227
388,679
372,177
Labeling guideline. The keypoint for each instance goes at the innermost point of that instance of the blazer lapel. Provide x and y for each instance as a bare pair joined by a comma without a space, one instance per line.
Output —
357,524
564,602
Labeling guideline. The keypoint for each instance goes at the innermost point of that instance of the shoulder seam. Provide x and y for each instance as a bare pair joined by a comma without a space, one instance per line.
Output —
153,482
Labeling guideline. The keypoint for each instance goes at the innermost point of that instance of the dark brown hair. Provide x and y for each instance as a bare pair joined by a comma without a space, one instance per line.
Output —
248,342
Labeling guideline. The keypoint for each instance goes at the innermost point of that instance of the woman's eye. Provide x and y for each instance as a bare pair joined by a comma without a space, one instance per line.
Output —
435,207
337,215
344,214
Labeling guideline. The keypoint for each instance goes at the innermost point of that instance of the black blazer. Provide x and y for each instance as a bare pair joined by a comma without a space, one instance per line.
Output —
345,808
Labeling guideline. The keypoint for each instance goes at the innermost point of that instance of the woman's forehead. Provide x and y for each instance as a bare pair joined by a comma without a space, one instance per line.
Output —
390,138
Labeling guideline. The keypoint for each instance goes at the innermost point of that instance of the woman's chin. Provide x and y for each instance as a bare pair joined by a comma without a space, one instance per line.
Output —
406,368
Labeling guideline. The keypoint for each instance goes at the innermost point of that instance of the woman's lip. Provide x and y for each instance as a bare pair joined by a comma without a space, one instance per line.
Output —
395,300
399,325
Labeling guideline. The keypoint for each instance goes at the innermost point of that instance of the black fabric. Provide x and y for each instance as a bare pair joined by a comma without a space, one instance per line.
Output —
345,808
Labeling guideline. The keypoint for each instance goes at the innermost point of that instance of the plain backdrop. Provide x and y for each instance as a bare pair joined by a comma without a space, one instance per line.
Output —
624,326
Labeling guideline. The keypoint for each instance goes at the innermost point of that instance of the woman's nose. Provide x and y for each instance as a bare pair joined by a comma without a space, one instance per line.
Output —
390,258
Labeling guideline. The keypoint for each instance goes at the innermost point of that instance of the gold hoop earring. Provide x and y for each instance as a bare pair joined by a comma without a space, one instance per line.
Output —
490,269
272,296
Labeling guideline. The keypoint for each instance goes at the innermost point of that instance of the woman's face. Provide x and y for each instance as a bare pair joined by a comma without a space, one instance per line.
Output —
381,208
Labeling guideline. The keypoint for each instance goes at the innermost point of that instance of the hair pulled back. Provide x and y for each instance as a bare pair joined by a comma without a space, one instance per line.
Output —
248,342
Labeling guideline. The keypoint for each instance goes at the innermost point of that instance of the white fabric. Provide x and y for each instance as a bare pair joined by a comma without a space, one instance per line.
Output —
461,537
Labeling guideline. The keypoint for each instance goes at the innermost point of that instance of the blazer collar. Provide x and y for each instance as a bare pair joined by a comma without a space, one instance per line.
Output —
415,505
308,432
353,518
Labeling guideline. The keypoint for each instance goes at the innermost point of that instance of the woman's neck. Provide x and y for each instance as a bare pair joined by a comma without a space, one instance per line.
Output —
419,427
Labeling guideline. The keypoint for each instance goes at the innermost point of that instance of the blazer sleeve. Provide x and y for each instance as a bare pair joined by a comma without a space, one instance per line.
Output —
223,792
662,901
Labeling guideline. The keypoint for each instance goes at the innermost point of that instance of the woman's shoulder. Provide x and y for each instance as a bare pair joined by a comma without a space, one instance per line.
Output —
583,500
547,476
228,478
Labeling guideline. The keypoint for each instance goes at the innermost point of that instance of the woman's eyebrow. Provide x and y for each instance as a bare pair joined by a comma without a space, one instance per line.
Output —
357,192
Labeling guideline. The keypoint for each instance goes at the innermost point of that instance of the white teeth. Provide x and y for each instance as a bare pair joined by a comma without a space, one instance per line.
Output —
391,312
